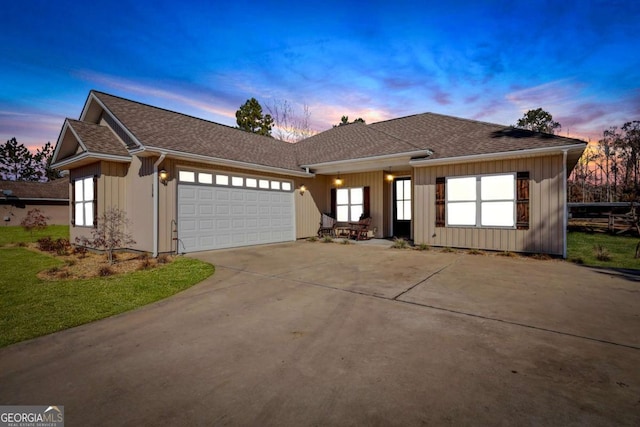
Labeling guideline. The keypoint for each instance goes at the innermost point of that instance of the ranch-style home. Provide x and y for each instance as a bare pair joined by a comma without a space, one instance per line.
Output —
187,184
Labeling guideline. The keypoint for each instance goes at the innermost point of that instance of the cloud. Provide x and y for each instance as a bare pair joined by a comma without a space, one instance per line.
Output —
31,128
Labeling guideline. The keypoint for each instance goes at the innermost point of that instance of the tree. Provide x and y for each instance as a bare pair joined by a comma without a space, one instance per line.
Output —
344,120
538,121
250,118
17,163
110,234
33,221
288,125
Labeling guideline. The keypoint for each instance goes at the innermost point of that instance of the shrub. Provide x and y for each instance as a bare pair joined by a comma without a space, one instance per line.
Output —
400,243
163,259
33,221
475,252
145,263
448,249
422,247
327,239
59,246
507,254
312,239
81,251
110,233
105,271
601,253
45,244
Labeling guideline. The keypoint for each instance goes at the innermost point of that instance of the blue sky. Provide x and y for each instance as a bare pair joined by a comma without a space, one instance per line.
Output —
484,60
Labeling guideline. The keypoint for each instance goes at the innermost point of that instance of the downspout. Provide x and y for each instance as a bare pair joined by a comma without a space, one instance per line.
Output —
156,202
565,217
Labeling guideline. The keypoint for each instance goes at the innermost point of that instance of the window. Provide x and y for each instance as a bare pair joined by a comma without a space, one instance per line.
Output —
484,201
84,202
186,176
349,204
403,199
237,181
205,178
222,180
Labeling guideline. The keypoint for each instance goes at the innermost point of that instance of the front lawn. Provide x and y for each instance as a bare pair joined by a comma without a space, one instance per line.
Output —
31,307
582,248
14,234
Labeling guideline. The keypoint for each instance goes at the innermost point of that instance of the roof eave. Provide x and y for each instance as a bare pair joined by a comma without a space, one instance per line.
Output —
532,152
86,158
365,164
227,162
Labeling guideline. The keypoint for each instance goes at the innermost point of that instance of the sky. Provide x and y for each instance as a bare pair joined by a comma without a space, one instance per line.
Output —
484,60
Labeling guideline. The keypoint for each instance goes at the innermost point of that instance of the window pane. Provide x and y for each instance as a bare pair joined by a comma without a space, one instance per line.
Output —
286,186
498,187
407,210
237,181
343,213
275,185
88,213
400,210
356,212
407,189
461,213
252,182
187,176
461,189
79,213
399,192
222,180
497,214
264,183
79,191
356,196
342,196
88,189
205,178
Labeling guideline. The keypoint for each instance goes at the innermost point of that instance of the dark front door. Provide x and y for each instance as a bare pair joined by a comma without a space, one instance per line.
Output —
402,207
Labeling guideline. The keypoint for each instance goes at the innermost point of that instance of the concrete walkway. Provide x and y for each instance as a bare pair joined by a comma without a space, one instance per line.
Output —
329,334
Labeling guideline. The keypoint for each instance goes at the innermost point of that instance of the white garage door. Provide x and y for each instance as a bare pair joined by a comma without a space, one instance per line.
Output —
216,217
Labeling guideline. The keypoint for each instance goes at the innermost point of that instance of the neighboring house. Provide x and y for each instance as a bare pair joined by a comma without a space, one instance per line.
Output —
439,180
19,197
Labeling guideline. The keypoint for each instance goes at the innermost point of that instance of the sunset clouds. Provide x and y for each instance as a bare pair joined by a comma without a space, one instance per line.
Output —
490,60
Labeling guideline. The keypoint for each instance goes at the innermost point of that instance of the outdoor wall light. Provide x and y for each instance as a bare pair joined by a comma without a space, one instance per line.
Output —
338,181
164,176
303,189
389,177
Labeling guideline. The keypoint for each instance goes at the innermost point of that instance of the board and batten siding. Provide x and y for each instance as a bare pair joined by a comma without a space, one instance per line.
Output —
546,207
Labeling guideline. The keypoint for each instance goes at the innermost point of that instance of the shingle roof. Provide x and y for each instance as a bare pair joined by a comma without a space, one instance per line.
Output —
57,189
353,141
163,129
98,139
450,136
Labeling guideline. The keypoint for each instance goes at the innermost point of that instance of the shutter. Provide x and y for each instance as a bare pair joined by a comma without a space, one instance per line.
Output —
95,201
366,208
73,202
334,203
522,201
440,202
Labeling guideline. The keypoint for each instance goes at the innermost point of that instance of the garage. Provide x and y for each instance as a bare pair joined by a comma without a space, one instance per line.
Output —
222,210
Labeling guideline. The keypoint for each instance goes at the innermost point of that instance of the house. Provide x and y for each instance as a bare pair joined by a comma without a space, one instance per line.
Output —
19,197
188,184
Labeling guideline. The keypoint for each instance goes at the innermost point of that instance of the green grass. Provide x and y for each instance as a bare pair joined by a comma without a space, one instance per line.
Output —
16,234
30,307
581,248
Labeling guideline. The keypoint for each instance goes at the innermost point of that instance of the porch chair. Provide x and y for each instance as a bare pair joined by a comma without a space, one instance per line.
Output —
360,230
327,226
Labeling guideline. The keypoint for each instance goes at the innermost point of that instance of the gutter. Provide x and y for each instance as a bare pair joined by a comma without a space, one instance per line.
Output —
498,156
419,153
156,202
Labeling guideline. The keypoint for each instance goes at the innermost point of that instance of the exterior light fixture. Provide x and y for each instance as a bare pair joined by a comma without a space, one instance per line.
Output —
164,176
338,181
389,176
303,189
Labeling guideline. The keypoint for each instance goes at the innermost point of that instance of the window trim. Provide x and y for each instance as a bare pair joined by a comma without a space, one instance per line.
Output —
349,204
87,222
478,202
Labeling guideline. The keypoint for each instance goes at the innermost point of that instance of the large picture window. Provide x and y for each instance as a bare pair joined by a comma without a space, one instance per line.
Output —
481,201
349,204
84,202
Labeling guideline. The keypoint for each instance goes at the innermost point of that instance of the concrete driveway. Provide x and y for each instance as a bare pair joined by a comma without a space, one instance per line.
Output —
328,334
